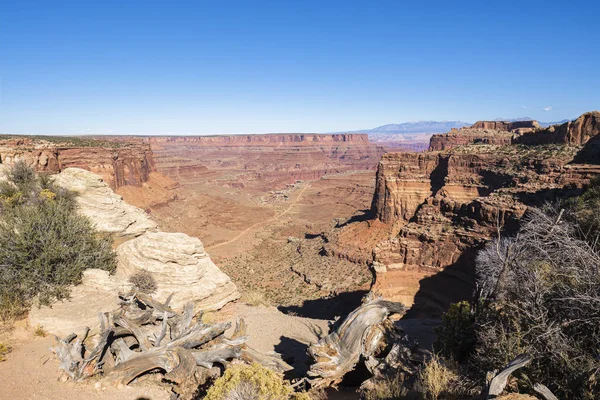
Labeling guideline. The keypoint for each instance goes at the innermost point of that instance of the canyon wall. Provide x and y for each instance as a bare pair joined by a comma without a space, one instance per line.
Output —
118,163
270,157
578,132
443,205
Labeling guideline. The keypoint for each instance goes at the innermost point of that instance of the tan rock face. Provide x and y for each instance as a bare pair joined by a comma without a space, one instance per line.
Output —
97,293
177,262
107,210
180,267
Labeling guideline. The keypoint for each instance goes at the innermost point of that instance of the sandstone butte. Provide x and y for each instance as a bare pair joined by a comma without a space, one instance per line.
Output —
178,262
444,204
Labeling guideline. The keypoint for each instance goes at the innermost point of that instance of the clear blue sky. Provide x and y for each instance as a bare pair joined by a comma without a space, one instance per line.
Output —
199,67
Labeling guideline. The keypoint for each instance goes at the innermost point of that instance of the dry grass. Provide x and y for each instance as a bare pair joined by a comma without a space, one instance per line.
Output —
40,331
4,350
254,298
386,389
436,379
144,282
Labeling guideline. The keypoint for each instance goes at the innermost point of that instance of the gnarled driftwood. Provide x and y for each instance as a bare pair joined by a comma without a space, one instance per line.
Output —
145,335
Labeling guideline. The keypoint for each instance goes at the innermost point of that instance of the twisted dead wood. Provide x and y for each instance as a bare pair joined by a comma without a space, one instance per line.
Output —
361,334
145,335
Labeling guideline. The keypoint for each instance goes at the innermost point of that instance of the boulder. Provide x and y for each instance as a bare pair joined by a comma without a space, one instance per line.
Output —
97,293
107,210
180,267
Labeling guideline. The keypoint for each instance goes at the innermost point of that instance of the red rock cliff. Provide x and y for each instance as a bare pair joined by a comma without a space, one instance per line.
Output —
270,157
442,206
119,163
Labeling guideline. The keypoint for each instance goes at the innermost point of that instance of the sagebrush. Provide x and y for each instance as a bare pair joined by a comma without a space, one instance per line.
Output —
45,245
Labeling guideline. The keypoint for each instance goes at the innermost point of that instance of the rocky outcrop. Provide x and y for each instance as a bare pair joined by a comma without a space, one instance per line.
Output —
482,132
181,268
505,125
177,262
107,210
275,158
97,293
442,206
579,132
119,163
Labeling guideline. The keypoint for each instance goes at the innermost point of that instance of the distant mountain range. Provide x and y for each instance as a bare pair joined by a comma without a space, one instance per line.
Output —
415,130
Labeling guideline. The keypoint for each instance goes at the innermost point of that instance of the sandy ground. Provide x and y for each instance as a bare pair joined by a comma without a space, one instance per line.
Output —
31,372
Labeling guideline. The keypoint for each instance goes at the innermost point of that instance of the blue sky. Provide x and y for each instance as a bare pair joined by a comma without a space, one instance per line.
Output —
200,67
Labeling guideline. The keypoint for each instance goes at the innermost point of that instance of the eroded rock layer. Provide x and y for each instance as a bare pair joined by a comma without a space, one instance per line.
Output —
178,264
442,206
180,267
281,158
119,163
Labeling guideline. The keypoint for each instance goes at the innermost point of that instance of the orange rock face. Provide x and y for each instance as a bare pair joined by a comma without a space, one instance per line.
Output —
272,158
579,132
118,163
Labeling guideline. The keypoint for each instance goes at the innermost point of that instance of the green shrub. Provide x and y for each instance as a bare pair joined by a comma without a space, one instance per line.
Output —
455,338
45,245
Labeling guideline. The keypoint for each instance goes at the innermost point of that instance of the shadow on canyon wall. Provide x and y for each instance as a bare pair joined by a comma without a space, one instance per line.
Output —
361,216
454,283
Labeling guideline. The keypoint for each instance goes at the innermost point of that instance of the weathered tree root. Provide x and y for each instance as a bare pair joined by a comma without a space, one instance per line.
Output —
363,334
145,335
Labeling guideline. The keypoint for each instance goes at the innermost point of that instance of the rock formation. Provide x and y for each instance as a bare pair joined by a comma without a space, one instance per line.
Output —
177,262
107,210
118,162
281,158
579,132
442,206
180,267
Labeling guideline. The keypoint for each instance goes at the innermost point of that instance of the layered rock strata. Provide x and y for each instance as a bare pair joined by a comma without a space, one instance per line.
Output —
442,206
178,263
107,210
119,163
181,268
284,158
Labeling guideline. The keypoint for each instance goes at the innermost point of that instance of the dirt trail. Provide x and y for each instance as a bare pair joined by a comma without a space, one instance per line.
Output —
256,225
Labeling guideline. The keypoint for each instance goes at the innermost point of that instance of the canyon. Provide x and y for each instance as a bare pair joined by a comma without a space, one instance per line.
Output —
287,215
443,205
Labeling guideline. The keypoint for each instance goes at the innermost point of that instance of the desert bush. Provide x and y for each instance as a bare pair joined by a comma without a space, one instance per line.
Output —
144,282
39,331
436,380
254,298
455,337
45,245
22,175
250,382
586,210
541,291
386,389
